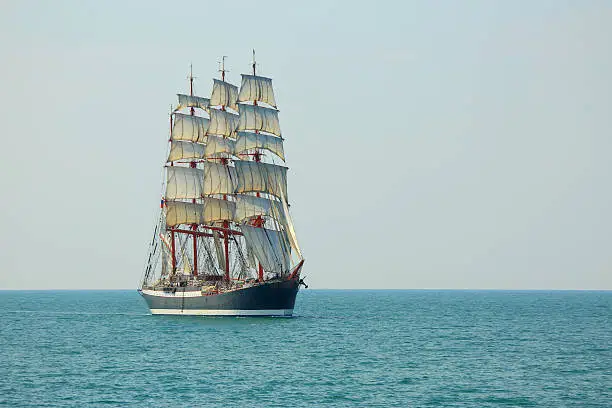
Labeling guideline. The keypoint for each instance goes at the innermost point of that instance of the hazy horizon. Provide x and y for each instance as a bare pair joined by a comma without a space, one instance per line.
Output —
430,145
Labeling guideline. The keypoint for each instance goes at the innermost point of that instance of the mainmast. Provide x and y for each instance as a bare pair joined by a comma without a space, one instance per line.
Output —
220,147
259,221
225,162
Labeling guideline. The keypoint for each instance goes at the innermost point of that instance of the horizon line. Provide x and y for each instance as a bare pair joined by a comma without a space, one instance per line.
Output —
331,289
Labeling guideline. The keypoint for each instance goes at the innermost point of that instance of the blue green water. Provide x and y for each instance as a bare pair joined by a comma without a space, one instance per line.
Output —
343,348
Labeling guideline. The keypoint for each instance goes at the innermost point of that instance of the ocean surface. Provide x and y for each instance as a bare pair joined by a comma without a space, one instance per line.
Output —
342,348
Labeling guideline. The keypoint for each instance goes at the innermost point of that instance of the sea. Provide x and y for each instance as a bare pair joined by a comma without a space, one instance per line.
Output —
342,348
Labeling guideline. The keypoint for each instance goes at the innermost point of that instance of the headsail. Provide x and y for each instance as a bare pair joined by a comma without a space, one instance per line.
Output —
269,247
288,223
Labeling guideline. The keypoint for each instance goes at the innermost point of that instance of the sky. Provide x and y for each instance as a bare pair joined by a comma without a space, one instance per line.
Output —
431,144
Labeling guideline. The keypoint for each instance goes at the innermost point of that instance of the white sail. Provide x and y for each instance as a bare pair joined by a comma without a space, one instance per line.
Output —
261,177
254,117
250,206
180,150
189,128
269,247
219,179
183,182
288,223
218,146
212,209
218,210
188,101
256,88
224,94
178,212
222,123
250,140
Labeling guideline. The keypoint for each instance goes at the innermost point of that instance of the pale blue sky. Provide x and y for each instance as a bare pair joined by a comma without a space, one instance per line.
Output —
432,144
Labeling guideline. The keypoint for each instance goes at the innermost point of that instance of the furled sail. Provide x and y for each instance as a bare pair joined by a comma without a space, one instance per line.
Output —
224,94
188,101
219,179
253,117
189,128
218,146
249,140
269,247
212,209
256,88
222,123
261,177
183,182
250,206
185,150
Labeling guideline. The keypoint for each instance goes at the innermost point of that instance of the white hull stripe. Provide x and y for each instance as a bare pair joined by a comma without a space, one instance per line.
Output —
178,294
223,312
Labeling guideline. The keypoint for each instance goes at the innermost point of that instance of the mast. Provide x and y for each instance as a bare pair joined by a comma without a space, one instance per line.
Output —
225,223
222,67
259,222
192,110
173,245
193,164
254,63
225,162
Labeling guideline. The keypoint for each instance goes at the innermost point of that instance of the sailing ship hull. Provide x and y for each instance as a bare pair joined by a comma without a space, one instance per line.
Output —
275,298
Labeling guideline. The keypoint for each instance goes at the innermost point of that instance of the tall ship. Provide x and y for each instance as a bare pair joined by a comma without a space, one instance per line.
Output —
224,244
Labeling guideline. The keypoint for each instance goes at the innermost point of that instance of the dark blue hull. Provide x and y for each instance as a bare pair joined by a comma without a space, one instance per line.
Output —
275,298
